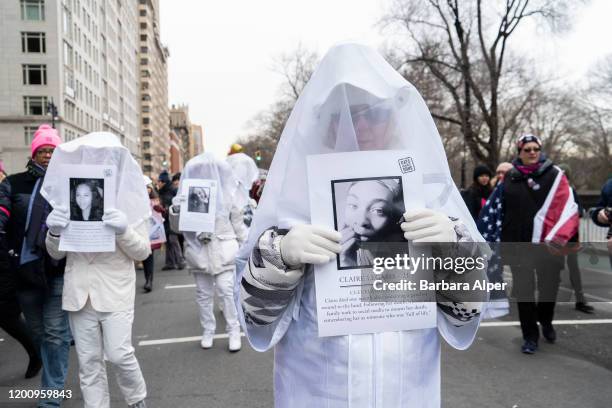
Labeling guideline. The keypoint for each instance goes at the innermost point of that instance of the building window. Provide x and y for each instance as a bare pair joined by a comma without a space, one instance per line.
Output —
33,42
144,50
144,61
146,121
34,105
147,132
148,168
143,37
143,12
68,55
146,109
147,156
34,74
146,97
33,10
28,134
146,145
143,26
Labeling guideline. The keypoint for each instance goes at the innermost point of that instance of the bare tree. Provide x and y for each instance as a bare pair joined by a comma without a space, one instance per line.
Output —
266,127
464,46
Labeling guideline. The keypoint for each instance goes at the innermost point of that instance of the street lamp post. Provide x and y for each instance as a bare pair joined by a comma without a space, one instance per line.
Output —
52,110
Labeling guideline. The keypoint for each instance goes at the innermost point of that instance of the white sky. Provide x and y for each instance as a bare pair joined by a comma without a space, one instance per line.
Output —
222,52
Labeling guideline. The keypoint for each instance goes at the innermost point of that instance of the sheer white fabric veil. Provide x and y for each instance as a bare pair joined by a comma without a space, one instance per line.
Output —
353,79
100,148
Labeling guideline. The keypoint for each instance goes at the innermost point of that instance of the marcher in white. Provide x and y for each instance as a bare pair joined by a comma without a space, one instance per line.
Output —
354,101
211,255
246,173
99,288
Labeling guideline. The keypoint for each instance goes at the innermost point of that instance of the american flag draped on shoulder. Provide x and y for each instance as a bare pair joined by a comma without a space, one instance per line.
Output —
490,219
555,222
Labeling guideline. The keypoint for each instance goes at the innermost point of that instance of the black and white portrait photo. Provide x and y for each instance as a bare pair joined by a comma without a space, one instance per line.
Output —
367,211
86,199
199,199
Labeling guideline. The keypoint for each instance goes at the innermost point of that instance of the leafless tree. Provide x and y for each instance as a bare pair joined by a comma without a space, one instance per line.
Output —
265,129
464,46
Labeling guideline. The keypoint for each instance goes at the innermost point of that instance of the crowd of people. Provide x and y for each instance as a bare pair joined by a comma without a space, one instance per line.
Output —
258,258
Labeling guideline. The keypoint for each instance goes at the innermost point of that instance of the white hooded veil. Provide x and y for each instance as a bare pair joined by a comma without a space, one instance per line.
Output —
207,167
246,173
100,148
353,80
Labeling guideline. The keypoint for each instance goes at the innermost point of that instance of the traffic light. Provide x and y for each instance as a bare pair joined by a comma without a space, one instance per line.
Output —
258,155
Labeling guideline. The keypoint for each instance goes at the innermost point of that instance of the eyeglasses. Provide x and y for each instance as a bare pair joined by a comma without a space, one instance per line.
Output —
42,152
532,149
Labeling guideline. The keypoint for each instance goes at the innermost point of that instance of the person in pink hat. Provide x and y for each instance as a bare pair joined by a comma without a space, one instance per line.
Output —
39,278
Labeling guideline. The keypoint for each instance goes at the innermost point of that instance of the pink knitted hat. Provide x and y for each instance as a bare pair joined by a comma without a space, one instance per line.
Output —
45,135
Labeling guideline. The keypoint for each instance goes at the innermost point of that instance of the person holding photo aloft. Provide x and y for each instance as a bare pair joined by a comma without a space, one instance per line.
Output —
87,204
211,255
354,101
372,214
99,288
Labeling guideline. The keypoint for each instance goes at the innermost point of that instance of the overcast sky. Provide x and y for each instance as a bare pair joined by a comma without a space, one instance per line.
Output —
222,52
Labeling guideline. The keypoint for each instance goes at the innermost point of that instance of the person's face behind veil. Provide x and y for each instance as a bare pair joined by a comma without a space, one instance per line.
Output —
361,121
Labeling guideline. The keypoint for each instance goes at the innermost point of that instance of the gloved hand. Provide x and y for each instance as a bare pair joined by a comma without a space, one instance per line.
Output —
115,219
204,237
309,244
425,225
58,220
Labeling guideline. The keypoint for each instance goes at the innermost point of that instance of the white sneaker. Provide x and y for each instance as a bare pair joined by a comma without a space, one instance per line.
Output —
235,342
207,340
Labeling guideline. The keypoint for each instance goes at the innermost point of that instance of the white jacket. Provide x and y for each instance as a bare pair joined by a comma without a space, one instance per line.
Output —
219,255
107,279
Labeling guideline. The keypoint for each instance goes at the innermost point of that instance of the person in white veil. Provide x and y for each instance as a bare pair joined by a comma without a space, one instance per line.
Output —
246,173
354,101
99,288
211,256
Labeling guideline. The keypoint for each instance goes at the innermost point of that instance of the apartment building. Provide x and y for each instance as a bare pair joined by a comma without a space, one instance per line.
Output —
80,55
154,111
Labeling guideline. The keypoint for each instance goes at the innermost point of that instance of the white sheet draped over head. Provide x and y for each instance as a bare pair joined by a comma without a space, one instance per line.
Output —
354,101
246,173
207,167
100,148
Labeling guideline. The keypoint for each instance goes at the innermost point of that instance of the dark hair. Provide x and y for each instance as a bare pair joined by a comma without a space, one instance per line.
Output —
97,200
176,177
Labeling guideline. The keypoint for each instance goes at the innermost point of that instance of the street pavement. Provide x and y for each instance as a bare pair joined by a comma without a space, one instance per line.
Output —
574,372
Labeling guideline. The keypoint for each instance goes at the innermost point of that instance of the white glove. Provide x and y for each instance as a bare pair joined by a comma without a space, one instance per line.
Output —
204,237
115,219
425,225
309,244
58,220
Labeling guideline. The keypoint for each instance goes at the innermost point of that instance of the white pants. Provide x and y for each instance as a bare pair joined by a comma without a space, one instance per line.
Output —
100,335
205,291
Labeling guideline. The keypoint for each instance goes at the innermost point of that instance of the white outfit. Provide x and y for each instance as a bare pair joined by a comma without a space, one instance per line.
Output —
390,370
213,263
106,335
99,288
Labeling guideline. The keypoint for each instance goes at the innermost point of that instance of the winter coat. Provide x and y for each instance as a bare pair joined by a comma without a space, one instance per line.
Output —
107,279
475,198
15,193
218,255
522,201
604,201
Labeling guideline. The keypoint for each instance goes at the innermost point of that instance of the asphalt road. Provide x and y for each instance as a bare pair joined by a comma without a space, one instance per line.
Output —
574,372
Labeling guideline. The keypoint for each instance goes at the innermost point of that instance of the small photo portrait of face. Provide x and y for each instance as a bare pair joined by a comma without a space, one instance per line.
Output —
367,212
199,199
86,199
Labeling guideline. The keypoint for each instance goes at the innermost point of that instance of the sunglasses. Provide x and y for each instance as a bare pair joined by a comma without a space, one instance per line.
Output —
532,149
374,116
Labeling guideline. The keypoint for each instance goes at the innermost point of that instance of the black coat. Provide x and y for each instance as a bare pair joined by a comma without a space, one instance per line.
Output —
166,194
474,197
15,193
522,202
